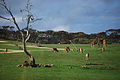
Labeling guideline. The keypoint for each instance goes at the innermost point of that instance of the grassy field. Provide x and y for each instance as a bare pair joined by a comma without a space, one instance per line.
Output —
67,66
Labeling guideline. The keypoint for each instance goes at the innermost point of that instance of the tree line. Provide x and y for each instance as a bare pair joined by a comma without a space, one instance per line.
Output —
61,37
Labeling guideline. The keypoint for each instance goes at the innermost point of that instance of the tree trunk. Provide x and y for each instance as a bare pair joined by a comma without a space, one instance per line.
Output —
31,58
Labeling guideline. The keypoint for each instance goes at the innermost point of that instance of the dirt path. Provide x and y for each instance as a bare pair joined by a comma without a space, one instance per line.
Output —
12,51
46,47
39,47
3,41
34,46
17,51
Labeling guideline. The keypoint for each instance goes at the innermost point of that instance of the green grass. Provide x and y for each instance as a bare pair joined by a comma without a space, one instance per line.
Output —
67,66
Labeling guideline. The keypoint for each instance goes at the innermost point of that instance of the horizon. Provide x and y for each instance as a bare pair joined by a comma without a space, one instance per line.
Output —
62,30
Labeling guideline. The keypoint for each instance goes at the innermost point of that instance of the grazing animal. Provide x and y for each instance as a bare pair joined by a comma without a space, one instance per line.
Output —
93,43
98,43
87,56
55,50
6,49
67,49
80,50
104,43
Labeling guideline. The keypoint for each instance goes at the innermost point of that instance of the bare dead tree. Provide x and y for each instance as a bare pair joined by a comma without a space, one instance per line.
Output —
29,18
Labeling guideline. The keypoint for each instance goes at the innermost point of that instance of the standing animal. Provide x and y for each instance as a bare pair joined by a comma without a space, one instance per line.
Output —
93,43
87,56
67,49
98,43
104,43
80,50
55,50
6,49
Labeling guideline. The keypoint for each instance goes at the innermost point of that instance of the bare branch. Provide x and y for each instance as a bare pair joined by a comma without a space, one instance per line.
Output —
5,18
28,21
9,11
36,20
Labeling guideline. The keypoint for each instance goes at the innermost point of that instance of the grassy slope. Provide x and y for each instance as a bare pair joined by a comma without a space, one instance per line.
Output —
67,65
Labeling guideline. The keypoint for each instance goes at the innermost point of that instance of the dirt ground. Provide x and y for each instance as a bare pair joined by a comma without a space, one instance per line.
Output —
3,41
16,51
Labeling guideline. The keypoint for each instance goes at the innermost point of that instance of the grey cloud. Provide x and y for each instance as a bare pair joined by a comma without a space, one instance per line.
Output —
110,1
14,5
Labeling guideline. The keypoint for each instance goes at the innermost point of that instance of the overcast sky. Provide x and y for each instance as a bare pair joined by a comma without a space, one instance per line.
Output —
89,16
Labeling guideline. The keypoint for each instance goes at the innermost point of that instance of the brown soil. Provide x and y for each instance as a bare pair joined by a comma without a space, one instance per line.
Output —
12,51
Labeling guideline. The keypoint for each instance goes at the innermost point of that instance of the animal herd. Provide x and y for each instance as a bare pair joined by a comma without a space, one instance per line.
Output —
94,42
100,44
